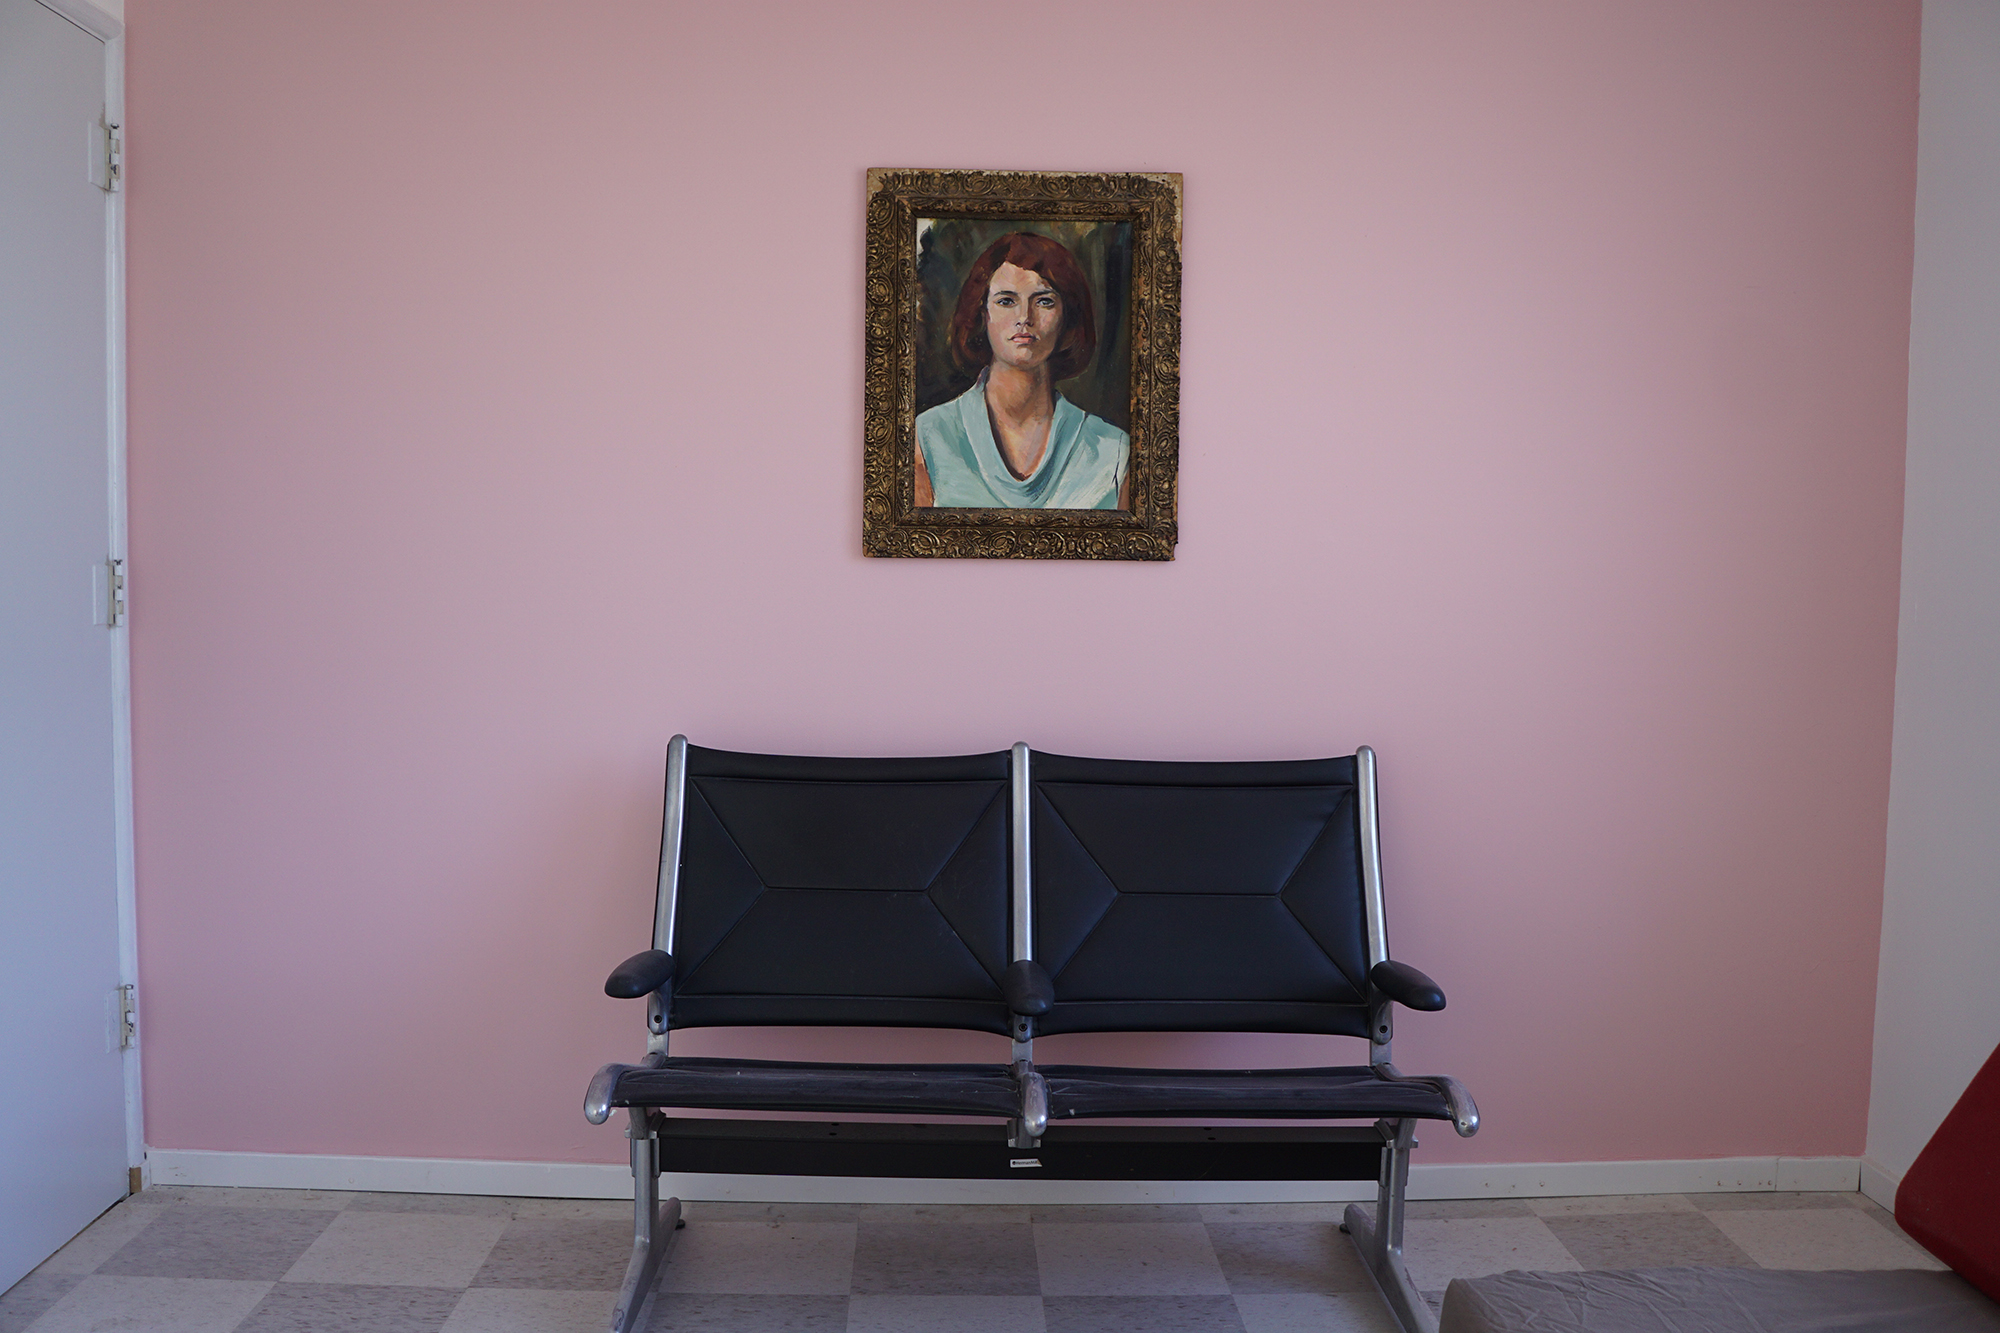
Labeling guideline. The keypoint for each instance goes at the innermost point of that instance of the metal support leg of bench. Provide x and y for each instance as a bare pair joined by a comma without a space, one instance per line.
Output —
653,1222
1380,1239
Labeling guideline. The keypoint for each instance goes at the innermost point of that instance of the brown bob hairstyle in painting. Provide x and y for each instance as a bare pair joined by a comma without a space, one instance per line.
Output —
1024,249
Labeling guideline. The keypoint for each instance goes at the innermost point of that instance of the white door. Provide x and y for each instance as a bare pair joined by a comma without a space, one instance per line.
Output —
62,1090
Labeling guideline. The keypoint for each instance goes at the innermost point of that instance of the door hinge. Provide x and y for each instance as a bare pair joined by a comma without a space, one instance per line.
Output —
107,154
108,594
128,1019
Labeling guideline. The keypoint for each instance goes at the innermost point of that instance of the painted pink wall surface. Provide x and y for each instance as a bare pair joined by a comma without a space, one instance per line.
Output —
496,413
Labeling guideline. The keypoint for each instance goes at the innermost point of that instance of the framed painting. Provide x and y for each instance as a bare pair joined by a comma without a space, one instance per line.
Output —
1023,364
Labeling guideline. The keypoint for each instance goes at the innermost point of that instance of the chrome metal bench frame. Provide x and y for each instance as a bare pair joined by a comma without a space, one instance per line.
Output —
1377,1239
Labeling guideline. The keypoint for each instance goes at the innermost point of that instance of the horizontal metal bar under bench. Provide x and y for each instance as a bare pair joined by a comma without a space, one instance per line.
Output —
981,1152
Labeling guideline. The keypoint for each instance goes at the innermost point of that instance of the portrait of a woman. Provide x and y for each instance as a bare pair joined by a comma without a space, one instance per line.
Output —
1024,321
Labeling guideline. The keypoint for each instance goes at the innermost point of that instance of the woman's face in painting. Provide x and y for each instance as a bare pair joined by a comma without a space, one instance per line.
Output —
1024,317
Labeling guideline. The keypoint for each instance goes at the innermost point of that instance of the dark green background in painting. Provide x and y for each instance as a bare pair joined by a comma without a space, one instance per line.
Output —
1102,249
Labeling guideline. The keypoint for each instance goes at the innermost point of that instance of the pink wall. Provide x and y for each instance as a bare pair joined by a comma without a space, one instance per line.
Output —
496,414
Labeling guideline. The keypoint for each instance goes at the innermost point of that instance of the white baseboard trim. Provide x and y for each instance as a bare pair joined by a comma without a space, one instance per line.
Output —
389,1175
1529,1180
1840,1175
594,1180
1879,1183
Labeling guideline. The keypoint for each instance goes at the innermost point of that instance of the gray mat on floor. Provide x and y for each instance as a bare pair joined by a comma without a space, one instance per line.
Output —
1718,1300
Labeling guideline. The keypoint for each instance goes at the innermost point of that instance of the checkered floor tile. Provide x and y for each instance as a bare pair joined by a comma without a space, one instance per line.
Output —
289,1261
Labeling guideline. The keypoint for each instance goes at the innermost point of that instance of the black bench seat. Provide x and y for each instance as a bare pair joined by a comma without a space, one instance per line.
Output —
1019,894
1352,1092
1347,1092
698,1083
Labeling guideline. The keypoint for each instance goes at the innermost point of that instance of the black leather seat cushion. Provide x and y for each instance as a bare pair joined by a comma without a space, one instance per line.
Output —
777,1085
1200,897
854,892
1344,1093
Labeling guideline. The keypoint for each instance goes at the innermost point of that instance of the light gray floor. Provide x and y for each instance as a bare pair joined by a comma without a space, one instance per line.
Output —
288,1261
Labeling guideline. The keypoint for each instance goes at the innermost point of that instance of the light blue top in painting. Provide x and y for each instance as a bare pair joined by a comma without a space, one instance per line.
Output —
1082,468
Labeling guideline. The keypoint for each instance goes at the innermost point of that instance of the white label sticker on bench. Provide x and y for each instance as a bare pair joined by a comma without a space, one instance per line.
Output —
1024,1161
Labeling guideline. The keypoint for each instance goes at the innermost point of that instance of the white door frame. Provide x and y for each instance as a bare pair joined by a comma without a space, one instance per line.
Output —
111,31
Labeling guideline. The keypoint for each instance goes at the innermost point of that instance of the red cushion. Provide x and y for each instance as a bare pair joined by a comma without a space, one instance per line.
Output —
1950,1201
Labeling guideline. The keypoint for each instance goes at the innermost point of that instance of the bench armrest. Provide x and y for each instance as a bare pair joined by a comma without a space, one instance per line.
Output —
1034,1093
1028,989
640,975
1406,986
1464,1111
597,1097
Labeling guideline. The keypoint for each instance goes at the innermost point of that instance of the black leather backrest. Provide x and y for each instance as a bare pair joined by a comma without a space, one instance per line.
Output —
1199,897
842,891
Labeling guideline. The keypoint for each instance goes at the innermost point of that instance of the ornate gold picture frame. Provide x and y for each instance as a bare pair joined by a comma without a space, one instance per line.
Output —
1023,364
